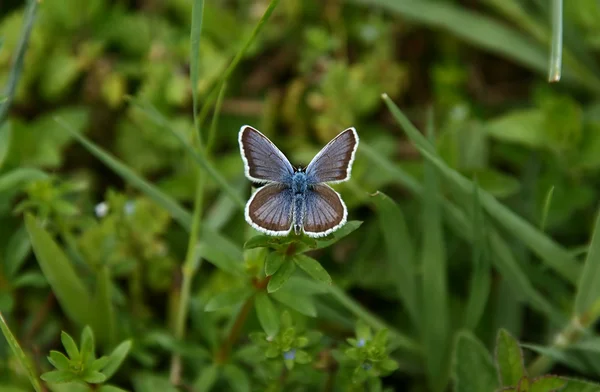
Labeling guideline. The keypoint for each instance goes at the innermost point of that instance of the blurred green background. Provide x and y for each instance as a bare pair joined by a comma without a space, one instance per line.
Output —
122,193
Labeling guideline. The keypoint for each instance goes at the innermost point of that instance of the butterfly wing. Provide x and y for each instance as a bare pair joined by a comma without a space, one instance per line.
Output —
269,210
324,211
334,162
263,162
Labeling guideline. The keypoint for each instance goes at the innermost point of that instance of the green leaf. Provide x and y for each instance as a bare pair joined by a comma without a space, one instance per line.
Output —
547,384
104,320
549,251
400,252
435,317
87,345
480,282
334,237
117,357
5,136
301,303
69,289
16,178
588,289
162,122
20,355
299,285
70,346
509,359
267,314
58,360
572,360
58,376
17,250
313,268
260,241
281,276
524,385
302,357
179,214
94,377
238,379
228,298
195,33
273,262
100,363
524,127
146,381
110,388
217,256
579,386
473,368
19,58
207,378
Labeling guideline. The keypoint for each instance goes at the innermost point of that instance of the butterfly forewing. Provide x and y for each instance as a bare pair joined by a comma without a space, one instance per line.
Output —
270,209
262,160
324,211
334,162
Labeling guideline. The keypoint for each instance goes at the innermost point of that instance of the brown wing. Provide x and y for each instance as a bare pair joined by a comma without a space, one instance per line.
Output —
324,211
269,210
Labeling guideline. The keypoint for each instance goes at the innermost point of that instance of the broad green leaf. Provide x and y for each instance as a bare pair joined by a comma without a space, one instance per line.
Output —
480,282
59,376
273,262
579,386
524,385
313,268
69,289
473,368
5,136
267,314
588,289
481,31
87,344
524,127
549,251
207,379
19,58
17,249
94,377
238,379
400,252
195,33
216,256
58,360
334,237
116,358
281,276
20,355
161,121
70,346
301,303
104,319
509,359
299,285
435,322
228,298
16,178
547,384
260,241
182,216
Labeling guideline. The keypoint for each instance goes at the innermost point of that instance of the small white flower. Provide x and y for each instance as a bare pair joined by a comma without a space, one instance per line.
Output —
101,209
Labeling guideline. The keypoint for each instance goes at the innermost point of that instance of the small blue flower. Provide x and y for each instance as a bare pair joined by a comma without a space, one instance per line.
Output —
366,366
361,343
290,354
129,207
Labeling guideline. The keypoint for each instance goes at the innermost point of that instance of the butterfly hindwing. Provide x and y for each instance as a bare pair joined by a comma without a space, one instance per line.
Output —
263,162
324,211
334,162
269,210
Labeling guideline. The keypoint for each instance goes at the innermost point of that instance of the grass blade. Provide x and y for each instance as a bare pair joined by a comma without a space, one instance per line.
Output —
557,41
69,289
547,203
19,57
435,323
549,251
588,289
195,33
104,317
161,121
21,357
480,284
5,137
177,212
400,253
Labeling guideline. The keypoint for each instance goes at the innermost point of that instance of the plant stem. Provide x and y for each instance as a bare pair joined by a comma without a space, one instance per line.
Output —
236,329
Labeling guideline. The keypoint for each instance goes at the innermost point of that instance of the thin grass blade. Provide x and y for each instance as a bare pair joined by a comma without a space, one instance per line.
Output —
547,203
588,289
557,41
195,33
20,354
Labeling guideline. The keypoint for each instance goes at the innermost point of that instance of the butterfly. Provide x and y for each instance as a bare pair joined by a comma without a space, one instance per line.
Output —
296,198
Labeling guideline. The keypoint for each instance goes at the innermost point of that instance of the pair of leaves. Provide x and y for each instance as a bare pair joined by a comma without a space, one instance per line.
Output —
281,267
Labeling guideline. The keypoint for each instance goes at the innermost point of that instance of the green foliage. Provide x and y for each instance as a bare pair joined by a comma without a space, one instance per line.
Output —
122,196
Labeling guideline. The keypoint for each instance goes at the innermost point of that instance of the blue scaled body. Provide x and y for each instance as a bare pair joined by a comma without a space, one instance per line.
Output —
300,184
